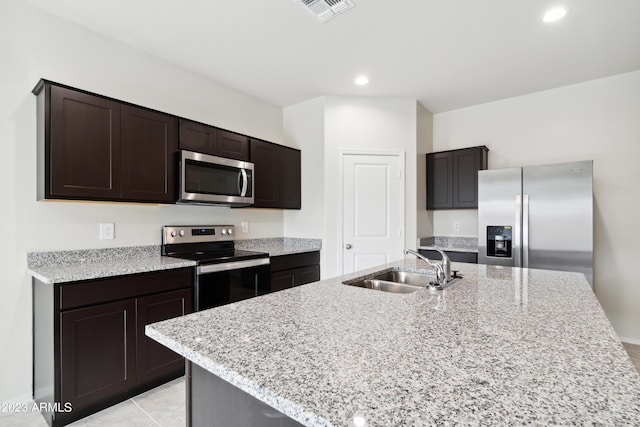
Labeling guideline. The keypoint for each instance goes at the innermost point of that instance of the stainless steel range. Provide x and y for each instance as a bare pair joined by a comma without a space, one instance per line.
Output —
223,274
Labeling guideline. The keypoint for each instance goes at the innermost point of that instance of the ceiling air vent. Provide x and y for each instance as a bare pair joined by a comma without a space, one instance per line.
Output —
326,9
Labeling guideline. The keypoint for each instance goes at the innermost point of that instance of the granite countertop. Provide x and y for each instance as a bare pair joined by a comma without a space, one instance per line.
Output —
502,346
71,266
280,245
447,243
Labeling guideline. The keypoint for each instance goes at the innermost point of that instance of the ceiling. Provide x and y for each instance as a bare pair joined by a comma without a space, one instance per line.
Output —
447,54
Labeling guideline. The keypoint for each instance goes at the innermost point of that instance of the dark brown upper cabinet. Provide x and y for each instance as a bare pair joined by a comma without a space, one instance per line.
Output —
83,147
277,175
149,141
452,178
232,145
207,139
92,147
198,137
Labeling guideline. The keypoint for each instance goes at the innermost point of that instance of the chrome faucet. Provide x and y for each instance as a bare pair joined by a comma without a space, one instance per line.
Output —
443,270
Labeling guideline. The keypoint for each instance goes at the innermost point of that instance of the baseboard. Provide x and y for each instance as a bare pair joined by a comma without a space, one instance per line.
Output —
629,340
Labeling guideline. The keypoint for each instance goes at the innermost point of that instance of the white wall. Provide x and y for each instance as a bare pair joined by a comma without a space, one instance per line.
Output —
424,145
304,129
36,44
597,120
303,126
323,126
367,124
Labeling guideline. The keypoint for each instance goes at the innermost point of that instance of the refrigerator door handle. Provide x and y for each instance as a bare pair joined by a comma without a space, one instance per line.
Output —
518,233
525,230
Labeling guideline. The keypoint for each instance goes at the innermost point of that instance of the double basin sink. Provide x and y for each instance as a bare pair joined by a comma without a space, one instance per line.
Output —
399,282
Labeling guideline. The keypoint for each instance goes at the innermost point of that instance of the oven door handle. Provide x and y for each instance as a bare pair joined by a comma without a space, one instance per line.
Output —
233,265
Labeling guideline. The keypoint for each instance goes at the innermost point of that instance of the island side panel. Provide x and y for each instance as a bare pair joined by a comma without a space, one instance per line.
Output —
213,402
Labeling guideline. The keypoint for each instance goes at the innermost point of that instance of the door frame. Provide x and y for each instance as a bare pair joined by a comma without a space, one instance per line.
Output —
401,155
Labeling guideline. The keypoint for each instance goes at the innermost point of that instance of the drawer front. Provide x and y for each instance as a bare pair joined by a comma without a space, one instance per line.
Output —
286,262
122,287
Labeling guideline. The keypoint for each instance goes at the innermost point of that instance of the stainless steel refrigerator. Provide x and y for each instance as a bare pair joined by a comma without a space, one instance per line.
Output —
537,217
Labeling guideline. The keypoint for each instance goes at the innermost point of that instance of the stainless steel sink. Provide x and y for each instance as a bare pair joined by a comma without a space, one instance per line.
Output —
399,282
406,278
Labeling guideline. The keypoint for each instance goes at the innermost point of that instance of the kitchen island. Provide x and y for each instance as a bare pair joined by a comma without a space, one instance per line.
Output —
501,346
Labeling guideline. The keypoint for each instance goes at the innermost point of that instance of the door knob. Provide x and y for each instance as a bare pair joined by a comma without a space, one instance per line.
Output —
348,246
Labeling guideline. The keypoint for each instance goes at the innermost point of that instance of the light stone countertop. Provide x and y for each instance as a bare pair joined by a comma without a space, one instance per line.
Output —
86,264
280,245
502,346
446,243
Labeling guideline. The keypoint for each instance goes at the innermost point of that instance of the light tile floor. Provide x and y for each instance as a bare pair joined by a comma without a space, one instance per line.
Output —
163,406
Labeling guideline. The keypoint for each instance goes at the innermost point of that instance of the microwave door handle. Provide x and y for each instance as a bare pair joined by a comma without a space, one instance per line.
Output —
245,182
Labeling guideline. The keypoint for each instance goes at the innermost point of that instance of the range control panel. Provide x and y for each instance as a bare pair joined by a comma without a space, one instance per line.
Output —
172,234
499,241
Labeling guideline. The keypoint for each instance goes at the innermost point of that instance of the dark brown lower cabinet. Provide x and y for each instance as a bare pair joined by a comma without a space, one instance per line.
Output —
469,257
153,359
292,270
97,358
89,346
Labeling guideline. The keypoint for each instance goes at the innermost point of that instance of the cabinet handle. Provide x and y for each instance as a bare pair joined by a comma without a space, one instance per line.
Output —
348,246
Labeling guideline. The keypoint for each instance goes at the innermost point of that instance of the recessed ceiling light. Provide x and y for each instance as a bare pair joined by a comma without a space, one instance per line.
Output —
362,80
554,14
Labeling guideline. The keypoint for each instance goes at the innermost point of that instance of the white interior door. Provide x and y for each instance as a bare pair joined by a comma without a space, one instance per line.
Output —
372,210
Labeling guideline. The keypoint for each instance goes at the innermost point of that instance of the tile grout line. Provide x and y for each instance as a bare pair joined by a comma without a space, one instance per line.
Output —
145,412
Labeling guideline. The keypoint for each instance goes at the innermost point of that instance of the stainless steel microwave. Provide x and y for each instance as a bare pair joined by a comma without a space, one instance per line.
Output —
213,180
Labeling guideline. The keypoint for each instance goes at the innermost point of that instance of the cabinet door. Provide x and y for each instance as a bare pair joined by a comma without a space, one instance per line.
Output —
277,175
288,178
84,146
439,180
149,141
294,277
232,145
466,164
305,275
282,280
198,137
264,158
153,359
97,352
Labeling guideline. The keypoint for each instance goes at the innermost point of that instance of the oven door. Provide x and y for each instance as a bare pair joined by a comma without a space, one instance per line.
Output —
209,179
220,284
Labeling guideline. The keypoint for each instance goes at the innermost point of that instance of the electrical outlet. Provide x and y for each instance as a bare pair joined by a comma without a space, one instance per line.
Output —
244,225
456,225
107,231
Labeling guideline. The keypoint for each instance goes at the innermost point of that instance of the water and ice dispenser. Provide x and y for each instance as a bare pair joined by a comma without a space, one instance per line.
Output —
499,241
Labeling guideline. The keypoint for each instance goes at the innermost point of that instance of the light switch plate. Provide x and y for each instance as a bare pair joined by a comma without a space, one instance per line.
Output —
244,226
107,231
